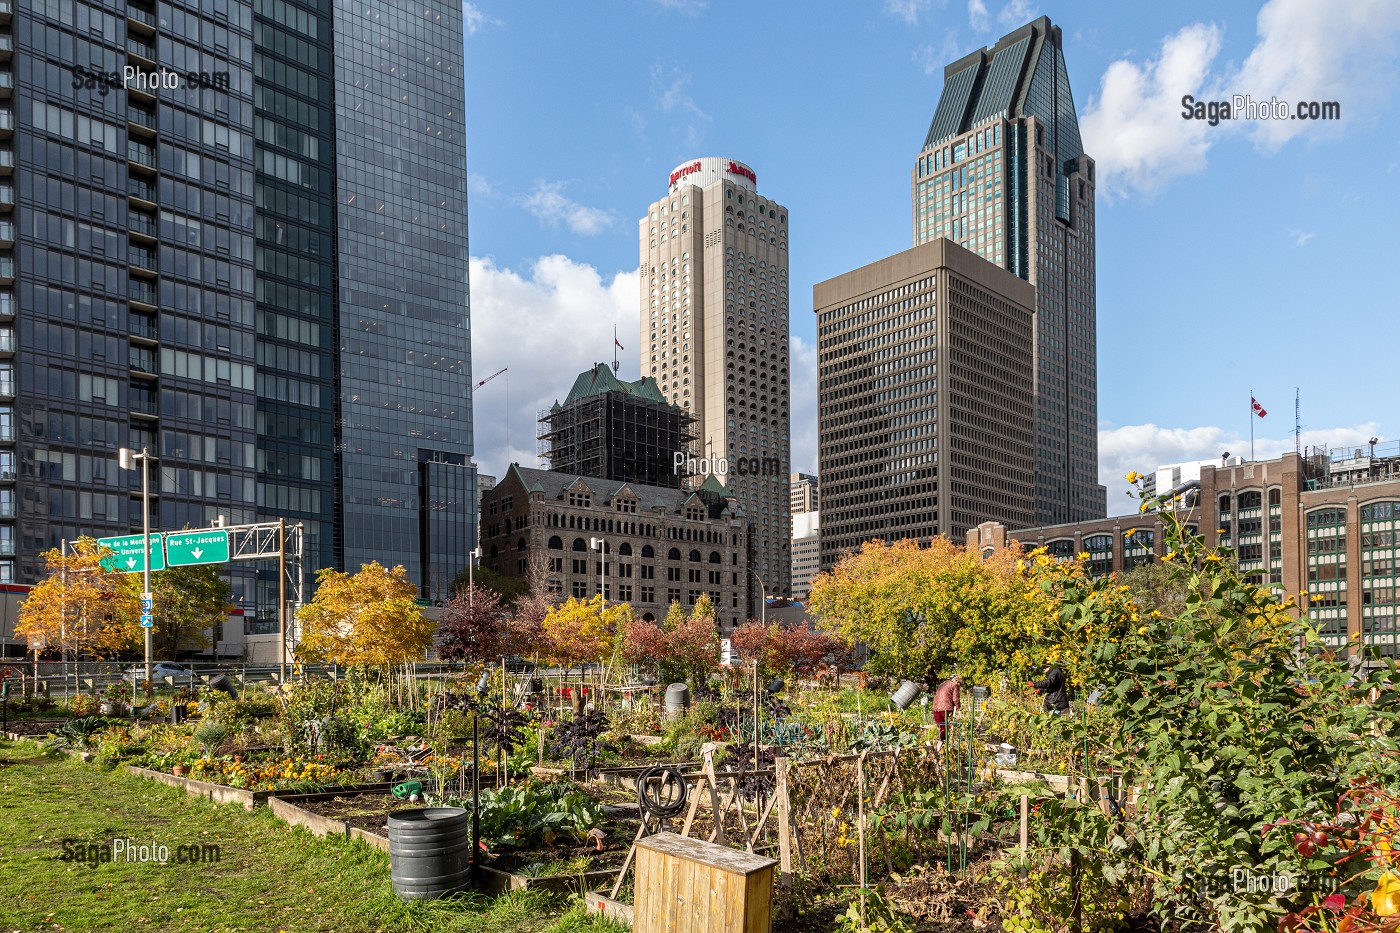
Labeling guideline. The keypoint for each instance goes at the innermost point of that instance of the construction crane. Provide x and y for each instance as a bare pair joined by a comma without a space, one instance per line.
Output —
489,378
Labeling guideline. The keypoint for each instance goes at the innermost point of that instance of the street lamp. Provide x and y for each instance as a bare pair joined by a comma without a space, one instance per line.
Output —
471,581
126,459
597,544
763,601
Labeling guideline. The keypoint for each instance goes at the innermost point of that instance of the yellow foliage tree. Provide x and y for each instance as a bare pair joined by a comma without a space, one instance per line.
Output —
366,619
81,608
922,611
582,630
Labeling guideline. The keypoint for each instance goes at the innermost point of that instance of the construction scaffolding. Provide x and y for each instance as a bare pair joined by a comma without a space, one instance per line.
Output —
616,436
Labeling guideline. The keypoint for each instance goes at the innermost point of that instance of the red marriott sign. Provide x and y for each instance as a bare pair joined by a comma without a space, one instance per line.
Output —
685,170
743,171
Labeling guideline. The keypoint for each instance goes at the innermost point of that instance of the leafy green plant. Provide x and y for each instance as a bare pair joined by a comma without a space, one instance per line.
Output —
869,912
1234,722
78,733
528,814
210,735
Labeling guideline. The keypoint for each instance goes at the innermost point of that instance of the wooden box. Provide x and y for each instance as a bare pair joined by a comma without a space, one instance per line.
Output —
685,885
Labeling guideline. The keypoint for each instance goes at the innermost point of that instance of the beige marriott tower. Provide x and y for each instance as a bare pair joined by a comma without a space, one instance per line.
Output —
714,330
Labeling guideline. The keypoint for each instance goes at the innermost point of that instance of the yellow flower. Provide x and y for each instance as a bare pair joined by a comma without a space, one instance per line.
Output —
1129,533
1171,555
1133,477
1215,557
1315,598
1385,900
1220,531
1082,555
1143,630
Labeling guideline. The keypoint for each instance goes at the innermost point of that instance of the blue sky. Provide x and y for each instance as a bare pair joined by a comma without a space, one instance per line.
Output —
1236,257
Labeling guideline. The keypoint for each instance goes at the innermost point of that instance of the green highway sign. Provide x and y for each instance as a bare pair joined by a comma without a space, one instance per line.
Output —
190,548
129,553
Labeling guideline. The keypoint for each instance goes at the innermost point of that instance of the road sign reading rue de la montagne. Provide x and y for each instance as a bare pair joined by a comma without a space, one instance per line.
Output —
190,548
129,553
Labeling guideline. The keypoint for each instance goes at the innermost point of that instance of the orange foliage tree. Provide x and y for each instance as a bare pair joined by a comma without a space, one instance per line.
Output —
81,608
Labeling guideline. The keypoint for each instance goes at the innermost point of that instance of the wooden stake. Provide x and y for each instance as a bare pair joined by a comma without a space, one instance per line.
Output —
1025,832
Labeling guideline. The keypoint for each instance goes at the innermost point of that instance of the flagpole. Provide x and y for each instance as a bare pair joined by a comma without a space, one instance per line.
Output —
1251,425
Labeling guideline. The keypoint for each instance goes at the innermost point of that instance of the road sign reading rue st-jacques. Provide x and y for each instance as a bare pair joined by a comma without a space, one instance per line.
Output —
129,553
190,548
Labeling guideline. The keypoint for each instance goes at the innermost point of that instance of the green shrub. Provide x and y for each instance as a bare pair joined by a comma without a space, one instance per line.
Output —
210,735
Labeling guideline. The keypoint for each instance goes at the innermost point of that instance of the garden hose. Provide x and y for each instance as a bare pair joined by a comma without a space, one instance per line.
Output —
649,799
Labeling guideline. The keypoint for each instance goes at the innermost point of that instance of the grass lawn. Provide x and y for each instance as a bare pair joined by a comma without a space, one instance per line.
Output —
269,877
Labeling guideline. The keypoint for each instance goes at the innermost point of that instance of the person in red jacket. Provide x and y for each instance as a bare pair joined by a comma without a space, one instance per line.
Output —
946,699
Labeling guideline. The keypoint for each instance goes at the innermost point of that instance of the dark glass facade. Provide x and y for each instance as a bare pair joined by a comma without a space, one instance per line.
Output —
401,192
127,295
294,125
252,260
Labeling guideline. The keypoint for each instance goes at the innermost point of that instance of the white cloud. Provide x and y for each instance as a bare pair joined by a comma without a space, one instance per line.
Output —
1301,237
1144,447
1016,13
480,186
907,10
547,325
803,366
671,90
978,16
1305,51
1310,51
473,18
1134,128
548,203
932,59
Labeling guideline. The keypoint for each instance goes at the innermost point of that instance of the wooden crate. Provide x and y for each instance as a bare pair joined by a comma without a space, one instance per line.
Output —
685,885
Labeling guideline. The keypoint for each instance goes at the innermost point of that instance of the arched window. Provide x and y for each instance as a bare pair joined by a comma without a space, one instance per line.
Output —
624,550
1275,497
521,545
647,552
714,557
673,554
1100,548
1061,548
1251,500
580,545
695,557
495,551
555,544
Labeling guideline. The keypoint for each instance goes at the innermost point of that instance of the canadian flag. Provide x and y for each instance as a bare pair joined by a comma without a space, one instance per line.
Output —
1258,409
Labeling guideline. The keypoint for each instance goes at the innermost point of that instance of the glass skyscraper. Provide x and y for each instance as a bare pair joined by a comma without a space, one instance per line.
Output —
234,232
1003,173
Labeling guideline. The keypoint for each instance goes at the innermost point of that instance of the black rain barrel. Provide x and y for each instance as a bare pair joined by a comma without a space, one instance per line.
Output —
429,852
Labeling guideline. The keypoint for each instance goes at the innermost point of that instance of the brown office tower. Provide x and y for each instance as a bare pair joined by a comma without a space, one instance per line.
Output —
925,401
714,329
1002,172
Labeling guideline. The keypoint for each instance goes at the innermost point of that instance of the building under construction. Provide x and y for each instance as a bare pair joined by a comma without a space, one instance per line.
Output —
616,430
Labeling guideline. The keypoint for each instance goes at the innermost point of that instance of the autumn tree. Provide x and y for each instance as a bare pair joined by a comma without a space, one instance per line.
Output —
525,625
922,611
582,630
189,603
366,619
683,647
782,648
81,608
474,626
